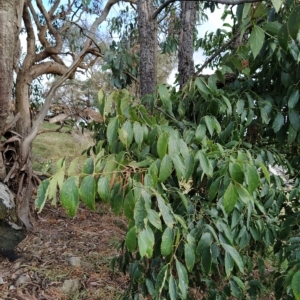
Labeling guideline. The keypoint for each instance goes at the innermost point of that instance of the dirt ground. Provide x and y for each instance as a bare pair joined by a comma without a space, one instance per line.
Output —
66,258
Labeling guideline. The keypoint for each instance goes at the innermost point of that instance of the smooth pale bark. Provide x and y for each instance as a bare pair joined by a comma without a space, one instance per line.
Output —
10,22
186,44
148,46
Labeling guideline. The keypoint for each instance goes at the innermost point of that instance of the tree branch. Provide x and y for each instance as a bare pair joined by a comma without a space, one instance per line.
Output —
34,130
227,2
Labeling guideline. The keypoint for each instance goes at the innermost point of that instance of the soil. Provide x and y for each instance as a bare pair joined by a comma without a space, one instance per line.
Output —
66,258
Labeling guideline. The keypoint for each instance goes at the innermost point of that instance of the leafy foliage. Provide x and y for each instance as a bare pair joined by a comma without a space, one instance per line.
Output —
190,171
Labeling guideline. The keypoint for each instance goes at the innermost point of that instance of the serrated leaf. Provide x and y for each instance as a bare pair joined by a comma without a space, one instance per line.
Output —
162,144
296,285
293,99
209,124
69,196
235,256
252,178
138,133
295,120
278,122
166,168
146,242
230,198
87,191
189,255
131,239
236,172
42,195
103,188
165,211
112,130
167,241
256,40
183,281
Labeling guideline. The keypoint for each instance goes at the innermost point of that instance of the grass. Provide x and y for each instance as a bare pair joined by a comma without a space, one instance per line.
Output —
49,147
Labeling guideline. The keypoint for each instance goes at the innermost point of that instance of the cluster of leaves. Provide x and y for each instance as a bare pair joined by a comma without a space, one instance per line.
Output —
202,208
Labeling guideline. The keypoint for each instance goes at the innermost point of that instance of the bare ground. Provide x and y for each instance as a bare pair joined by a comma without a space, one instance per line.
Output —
66,258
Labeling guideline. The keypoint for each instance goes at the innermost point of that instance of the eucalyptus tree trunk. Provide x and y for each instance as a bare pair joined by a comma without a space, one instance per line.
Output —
188,18
10,22
148,46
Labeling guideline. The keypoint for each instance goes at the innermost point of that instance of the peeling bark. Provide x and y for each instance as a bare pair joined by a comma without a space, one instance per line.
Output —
148,46
186,43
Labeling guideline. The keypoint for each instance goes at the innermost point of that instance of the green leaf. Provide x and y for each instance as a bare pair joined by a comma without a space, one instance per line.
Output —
182,278
167,241
69,196
240,106
138,133
116,202
296,285
265,171
165,97
293,99
292,134
252,178
229,106
256,40
277,4
205,241
42,195
293,23
179,165
189,163
112,130
166,168
87,191
202,86
172,288
88,167
236,172
165,211
214,188
206,260
129,204
243,194
278,122
230,198
160,281
146,242
200,132
140,214
235,256
295,120
103,188
189,255
126,133
131,239
204,163
283,37
154,218
73,166
210,124
162,144
101,101
239,283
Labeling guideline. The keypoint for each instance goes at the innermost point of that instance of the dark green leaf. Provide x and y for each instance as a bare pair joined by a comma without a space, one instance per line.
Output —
162,144
204,163
160,280
295,120
103,188
112,130
202,86
278,122
296,285
236,172
209,124
146,242
172,288
214,188
166,168
283,37
230,198
252,178
167,241
69,196
165,97
206,260
138,133
87,191
131,239
293,23
42,195
292,134
293,99
129,204
235,256
200,132
189,254
256,40
182,278
88,167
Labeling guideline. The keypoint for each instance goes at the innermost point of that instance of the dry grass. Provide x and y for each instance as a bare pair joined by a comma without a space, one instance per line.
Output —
49,147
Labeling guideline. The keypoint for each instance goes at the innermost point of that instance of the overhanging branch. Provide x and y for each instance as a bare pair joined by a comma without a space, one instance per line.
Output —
227,2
